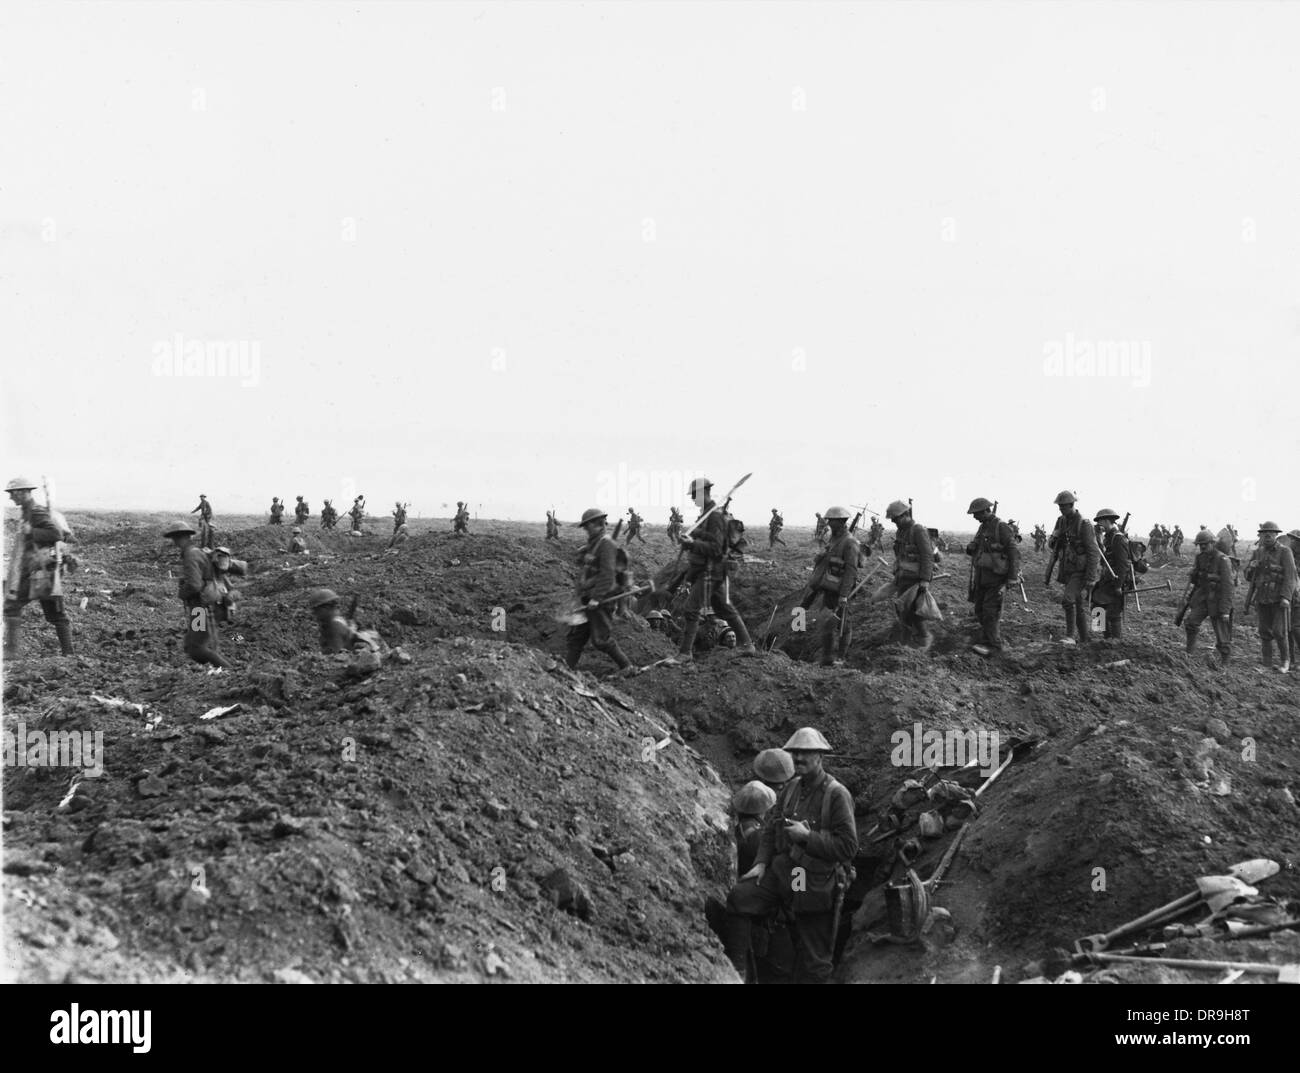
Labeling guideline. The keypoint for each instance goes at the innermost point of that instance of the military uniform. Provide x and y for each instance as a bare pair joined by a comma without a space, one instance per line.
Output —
1211,596
809,892
1108,592
1079,565
708,574
820,530
913,563
598,562
277,512
204,511
1177,539
357,512
223,568
877,534
634,526
552,527
399,517
34,574
202,638
301,511
297,544
675,521
1272,572
1294,537
460,523
328,516
834,577
774,528
995,562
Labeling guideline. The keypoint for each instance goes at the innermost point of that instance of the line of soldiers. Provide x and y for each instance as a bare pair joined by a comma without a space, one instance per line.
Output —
1162,541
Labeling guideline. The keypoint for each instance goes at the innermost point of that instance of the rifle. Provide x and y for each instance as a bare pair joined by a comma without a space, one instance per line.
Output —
58,544
1250,595
1185,601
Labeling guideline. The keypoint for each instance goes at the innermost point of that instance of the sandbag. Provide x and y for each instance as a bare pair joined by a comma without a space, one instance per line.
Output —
921,604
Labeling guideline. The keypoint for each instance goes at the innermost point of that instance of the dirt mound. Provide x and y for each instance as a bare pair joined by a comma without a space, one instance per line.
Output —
1152,767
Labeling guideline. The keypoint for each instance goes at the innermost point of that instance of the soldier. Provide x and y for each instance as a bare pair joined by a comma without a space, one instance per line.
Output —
401,536
1108,592
1176,537
277,511
552,526
708,572
913,566
1272,576
774,767
1040,537
35,569
820,530
634,521
399,516
357,512
804,856
675,521
1015,529
328,515
204,511
1294,538
599,562
199,592
297,545
1153,538
1074,546
995,563
835,572
460,523
301,511
1209,594
337,634
876,535
225,566
774,528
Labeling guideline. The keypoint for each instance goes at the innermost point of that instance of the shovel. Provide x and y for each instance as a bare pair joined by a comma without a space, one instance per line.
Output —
578,615
1251,871
1286,974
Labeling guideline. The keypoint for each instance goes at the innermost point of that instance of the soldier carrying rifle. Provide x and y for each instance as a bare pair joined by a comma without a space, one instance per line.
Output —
995,562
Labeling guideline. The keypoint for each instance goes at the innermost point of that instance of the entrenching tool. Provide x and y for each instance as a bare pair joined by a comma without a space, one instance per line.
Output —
1251,871
1168,586
579,614
1286,974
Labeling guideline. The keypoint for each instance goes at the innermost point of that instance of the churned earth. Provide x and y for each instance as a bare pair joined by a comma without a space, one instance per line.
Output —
474,811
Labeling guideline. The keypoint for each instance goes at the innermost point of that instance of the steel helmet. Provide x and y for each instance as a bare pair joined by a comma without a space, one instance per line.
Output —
836,512
179,528
753,799
221,551
697,484
1105,512
809,740
1065,497
897,509
727,639
654,616
591,514
1269,527
977,505
1205,537
1294,534
296,529
318,597
774,765
20,484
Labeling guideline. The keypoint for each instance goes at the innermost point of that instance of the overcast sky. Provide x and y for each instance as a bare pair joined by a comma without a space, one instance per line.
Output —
573,254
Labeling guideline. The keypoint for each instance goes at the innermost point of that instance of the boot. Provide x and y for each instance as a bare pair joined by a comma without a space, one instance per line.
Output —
1069,627
13,632
64,630
993,634
1084,622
